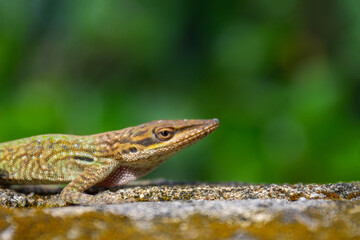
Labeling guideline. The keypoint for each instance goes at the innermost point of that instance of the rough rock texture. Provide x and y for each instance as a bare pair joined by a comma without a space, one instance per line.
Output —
240,211
161,190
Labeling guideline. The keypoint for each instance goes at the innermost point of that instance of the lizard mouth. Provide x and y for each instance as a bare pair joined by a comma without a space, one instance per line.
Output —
199,133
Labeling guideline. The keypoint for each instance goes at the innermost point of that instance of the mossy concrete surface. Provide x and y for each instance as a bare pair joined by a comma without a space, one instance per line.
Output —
168,210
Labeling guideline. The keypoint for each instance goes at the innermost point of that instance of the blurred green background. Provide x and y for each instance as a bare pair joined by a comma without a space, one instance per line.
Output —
282,76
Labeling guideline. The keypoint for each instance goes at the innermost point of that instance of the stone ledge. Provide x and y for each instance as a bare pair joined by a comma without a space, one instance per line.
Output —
221,219
170,210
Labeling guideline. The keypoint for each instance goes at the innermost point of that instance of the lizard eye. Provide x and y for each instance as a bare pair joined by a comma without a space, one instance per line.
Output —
164,134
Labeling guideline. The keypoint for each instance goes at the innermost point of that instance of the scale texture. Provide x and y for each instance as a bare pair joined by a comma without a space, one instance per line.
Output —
107,159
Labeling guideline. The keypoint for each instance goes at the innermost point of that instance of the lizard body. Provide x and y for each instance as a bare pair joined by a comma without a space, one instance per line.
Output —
107,159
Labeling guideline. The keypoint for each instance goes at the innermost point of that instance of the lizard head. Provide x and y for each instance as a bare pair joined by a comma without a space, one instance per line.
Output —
154,142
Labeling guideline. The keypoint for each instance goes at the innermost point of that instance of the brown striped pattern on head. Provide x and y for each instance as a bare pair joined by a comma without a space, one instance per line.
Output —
140,143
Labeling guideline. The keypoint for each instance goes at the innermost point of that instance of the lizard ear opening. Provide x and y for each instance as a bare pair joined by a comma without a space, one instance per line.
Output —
164,134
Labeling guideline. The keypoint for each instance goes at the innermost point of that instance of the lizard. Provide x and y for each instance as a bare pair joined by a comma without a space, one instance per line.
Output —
106,159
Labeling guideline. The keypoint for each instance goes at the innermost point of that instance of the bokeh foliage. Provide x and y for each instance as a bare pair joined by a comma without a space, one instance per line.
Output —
282,76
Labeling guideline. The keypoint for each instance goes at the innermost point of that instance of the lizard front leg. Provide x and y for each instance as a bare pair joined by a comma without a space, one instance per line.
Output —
93,174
